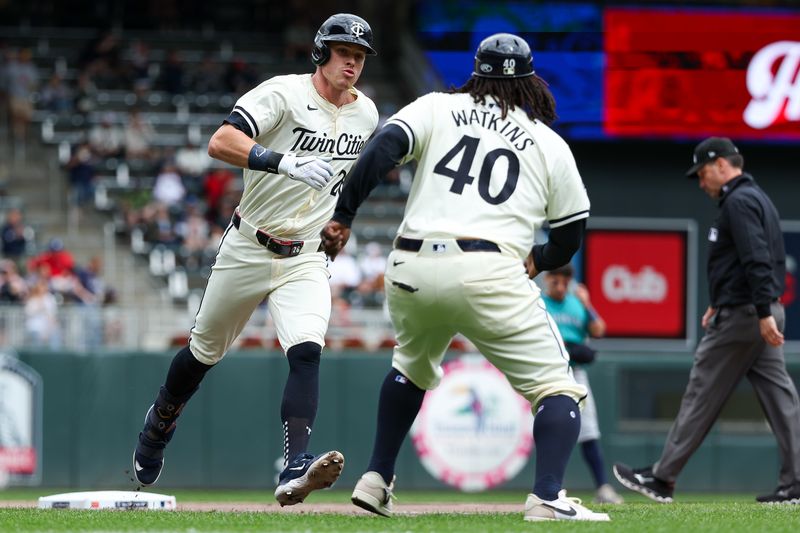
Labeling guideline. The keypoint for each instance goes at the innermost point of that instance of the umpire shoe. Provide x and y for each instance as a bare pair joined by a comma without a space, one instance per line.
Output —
644,482
373,494
784,494
306,473
562,508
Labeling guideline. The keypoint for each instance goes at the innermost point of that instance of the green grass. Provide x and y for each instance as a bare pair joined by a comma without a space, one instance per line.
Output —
724,513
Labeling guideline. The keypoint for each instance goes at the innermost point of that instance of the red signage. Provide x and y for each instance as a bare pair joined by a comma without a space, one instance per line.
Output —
702,72
637,280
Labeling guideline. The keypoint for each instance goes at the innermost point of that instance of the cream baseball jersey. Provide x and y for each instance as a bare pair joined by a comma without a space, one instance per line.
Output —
287,114
485,177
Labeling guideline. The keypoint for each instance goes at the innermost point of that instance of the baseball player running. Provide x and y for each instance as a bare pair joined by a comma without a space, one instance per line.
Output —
296,137
490,172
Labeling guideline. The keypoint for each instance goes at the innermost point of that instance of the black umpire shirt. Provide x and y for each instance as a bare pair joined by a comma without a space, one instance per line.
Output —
747,261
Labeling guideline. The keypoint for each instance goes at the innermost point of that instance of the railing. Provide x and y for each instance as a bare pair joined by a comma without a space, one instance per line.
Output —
85,328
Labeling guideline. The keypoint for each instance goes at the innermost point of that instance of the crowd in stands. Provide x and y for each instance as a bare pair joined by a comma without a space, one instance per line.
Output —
181,199
42,282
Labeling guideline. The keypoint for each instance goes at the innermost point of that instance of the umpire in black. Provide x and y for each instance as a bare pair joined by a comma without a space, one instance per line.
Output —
744,325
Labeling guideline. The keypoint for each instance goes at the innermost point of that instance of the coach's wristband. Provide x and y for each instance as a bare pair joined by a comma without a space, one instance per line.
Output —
263,159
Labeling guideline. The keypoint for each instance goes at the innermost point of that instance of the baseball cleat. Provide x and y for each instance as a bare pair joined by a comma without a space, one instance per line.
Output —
643,481
148,457
606,494
373,494
145,469
563,508
306,473
783,494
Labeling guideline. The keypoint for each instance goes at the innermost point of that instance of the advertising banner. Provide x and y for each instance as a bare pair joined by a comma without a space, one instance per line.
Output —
474,431
692,73
20,422
638,281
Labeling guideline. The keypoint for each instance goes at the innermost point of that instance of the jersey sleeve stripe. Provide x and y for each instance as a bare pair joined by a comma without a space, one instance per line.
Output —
250,120
408,130
566,220
238,121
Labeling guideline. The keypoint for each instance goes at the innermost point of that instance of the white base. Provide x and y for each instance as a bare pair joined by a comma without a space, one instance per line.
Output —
108,499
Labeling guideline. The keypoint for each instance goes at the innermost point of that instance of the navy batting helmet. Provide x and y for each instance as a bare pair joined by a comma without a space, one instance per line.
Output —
345,28
503,55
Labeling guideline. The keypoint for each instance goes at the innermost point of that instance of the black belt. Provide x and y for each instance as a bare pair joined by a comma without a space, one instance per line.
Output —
466,245
283,247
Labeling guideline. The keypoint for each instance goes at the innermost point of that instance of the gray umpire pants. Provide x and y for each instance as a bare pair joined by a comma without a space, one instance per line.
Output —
731,349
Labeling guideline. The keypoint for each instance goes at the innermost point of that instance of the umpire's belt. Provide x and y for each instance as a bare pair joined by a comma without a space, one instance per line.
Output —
282,247
466,245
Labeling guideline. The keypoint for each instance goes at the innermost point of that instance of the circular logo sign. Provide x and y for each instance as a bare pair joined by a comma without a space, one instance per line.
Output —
474,431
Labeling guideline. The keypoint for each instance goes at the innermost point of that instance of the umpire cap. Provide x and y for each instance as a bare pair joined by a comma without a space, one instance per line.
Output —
345,28
710,150
503,55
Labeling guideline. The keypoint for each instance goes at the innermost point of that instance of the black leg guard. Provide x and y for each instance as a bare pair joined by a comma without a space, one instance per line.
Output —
159,427
300,398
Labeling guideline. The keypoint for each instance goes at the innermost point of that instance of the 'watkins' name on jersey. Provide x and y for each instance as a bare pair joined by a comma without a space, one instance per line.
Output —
491,121
344,144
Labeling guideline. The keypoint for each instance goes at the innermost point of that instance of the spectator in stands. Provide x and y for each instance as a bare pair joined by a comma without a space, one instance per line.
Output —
139,64
207,77
345,276
295,36
217,184
82,175
169,189
106,138
193,232
22,79
91,279
240,77
139,135
173,74
56,258
17,236
5,61
85,94
193,162
372,265
212,244
92,294
56,96
41,317
160,227
13,287
101,58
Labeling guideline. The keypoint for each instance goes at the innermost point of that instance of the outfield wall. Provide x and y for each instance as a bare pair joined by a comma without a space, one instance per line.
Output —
230,434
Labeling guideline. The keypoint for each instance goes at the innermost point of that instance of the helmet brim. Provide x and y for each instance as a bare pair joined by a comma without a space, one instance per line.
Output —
352,40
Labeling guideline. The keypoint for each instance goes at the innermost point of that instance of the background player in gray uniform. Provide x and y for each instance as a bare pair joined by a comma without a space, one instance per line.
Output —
576,318
296,137
490,172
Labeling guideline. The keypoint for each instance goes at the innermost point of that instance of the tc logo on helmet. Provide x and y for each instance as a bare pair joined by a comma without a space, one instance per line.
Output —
357,29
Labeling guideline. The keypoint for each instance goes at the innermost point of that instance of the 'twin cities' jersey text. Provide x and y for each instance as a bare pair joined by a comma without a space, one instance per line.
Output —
345,144
487,177
287,114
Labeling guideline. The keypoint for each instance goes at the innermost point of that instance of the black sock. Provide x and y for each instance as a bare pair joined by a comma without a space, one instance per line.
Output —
300,398
593,456
399,403
185,373
555,431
